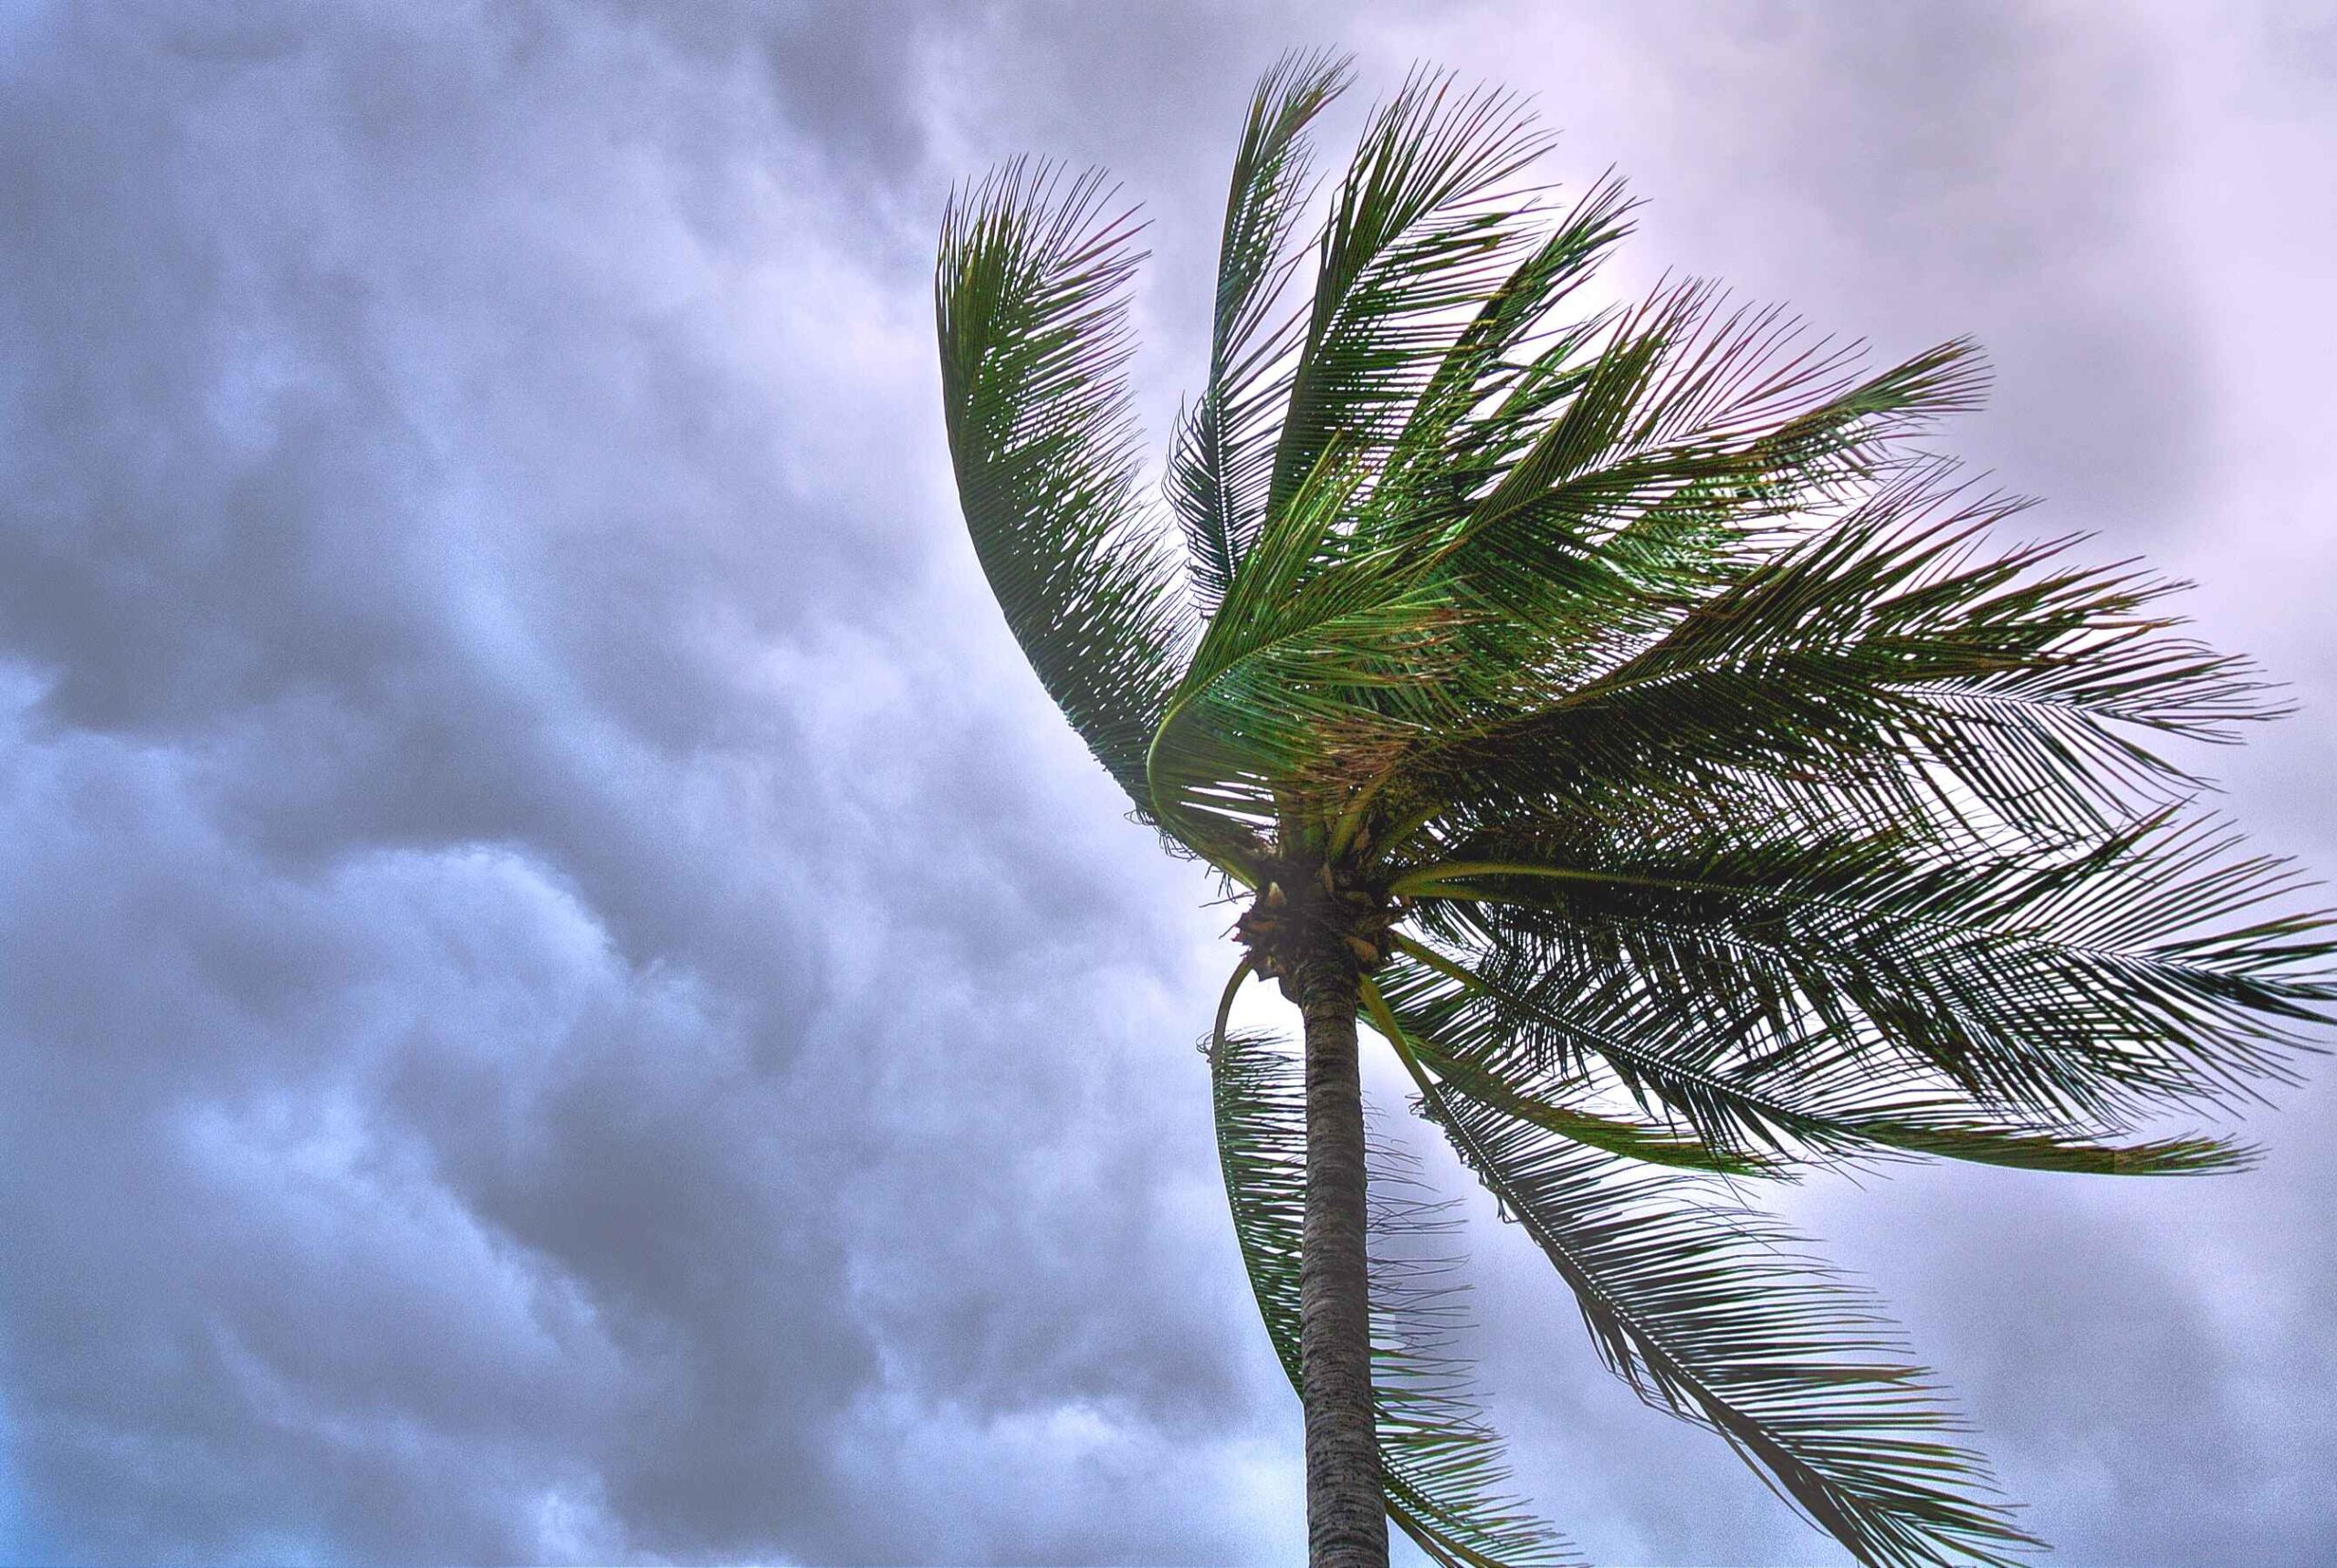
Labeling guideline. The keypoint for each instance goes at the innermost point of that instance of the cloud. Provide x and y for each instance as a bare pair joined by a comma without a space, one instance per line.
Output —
548,1018
566,997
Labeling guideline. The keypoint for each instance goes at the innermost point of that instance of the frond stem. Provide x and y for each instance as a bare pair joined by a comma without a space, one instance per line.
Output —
1429,882
1242,972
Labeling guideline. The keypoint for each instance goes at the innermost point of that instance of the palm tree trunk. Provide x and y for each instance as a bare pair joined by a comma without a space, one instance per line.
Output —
1347,1522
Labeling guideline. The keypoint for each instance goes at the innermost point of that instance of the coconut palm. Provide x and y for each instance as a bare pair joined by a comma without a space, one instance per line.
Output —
1616,709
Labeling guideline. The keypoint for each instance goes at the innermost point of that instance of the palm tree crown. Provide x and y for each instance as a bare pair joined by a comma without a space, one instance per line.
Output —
1623,712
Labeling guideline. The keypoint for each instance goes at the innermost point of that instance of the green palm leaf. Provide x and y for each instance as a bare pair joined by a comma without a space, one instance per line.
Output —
2135,974
1478,406
1030,294
1223,459
1887,659
1717,1106
1443,1468
1429,221
1710,1312
1414,1020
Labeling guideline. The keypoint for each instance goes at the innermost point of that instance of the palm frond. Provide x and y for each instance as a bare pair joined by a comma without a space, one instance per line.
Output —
1483,401
1223,457
1443,1472
1714,1313
2139,973
1548,1032
1887,669
1427,222
1031,300
1686,397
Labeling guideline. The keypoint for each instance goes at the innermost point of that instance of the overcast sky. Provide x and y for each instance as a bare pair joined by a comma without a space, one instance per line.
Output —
563,993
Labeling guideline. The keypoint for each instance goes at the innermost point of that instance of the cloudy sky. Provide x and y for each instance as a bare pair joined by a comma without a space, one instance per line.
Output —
563,994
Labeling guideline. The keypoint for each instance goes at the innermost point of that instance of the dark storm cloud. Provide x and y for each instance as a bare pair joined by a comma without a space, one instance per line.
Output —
542,1024
566,997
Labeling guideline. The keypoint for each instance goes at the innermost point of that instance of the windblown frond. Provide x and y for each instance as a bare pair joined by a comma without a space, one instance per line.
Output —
1714,1313
1886,669
1429,222
1539,1033
1223,458
1442,1468
1030,295
1483,401
1412,1016
2133,975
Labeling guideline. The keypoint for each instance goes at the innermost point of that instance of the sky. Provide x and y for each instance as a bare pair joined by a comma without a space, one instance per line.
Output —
564,994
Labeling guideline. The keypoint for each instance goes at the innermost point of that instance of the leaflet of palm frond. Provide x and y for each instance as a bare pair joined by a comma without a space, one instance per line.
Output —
2137,975
1443,1471
1429,220
1030,298
1539,1038
1715,1313
1222,460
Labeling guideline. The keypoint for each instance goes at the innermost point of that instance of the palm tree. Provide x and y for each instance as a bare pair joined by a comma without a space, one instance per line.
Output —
1618,710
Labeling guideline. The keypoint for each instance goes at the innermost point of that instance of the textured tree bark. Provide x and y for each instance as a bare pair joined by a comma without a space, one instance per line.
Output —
1346,1521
